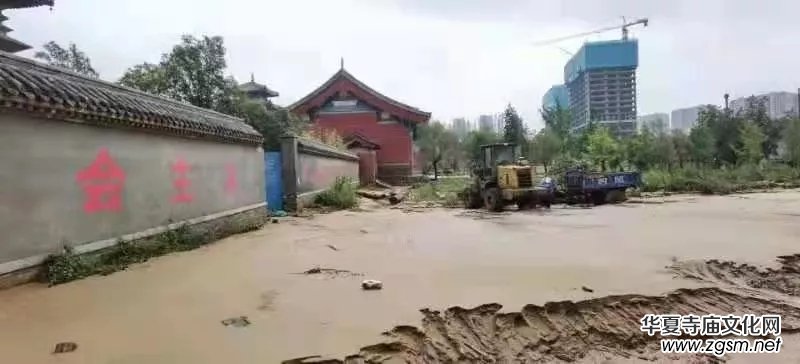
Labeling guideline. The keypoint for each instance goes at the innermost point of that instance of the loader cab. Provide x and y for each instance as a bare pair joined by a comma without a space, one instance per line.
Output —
498,154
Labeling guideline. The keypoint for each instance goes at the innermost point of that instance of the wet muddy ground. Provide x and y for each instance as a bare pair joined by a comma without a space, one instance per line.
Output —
293,289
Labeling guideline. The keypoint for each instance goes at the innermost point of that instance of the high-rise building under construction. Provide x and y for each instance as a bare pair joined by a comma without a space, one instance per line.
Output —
601,80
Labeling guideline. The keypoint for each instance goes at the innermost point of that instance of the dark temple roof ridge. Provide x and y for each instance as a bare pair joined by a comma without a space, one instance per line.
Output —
53,92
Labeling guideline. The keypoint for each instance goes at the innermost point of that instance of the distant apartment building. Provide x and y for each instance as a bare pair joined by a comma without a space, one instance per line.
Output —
779,104
461,127
601,83
487,123
556,95
656,122
685,119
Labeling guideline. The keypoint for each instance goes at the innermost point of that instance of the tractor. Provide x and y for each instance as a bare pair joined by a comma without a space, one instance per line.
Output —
502,178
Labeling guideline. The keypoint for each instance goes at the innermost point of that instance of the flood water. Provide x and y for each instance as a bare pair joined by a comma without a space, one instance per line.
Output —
170,309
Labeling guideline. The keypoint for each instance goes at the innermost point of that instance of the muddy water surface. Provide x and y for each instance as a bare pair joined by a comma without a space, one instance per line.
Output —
170,310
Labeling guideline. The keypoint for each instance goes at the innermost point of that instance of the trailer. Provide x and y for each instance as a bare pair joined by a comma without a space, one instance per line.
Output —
598,188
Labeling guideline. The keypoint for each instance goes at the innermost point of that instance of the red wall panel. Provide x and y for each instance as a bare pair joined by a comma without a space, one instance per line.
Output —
394,139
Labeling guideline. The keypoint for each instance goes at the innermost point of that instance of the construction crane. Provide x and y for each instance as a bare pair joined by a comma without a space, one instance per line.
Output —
624,27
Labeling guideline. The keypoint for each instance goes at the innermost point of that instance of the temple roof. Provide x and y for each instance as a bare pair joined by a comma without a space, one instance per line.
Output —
253,87
19,4
34,88
344,81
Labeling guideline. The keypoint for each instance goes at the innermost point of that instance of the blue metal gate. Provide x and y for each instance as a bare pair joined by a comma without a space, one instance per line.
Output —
274,180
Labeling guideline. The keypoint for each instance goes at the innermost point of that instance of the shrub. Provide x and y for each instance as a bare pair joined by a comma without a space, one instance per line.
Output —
720,181
341,195
66,267
445,190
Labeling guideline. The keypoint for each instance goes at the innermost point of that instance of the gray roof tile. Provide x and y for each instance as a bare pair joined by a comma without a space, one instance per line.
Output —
31,87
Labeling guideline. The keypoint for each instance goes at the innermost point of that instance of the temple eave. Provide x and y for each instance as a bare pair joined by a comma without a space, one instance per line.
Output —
12,45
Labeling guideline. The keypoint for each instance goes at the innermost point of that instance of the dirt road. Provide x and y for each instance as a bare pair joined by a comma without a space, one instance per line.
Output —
170,309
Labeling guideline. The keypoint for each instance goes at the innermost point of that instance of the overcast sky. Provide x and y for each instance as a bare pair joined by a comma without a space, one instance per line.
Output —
450,57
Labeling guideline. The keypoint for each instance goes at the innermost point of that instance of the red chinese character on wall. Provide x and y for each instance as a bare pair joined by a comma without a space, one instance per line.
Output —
102,183
181,182
231,180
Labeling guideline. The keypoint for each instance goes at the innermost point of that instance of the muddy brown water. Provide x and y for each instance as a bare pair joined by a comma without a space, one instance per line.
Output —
169,309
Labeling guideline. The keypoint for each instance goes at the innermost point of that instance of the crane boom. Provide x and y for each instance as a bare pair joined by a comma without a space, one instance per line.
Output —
624,28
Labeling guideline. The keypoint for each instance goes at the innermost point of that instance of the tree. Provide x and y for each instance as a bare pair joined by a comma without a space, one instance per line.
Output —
791,139
638,150
702,144
147,77
755,111
473,141
750,148
437,144
558,119
725,131
192,72
545,147
272,123
70,58
601,147
682,146
514,130
663,150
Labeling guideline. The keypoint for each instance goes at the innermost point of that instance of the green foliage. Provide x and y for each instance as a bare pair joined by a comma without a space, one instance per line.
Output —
70,58
66,267
473,141
342,195
682,147
445,191
755,112
545,147
514,130
437,144
663,152
725,131
559,120
271,122
720,180
192,72
791,140
602,149
750,147
146,77
702,144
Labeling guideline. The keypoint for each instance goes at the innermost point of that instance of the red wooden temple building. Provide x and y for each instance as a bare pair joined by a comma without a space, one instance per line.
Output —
368,120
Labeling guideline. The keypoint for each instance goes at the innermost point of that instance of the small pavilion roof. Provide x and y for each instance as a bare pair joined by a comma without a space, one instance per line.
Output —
255,87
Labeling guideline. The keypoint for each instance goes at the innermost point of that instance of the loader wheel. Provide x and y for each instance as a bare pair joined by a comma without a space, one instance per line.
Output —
492,199
524,203
472,199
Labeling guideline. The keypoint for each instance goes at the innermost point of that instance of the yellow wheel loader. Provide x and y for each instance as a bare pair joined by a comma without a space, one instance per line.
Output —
501,178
